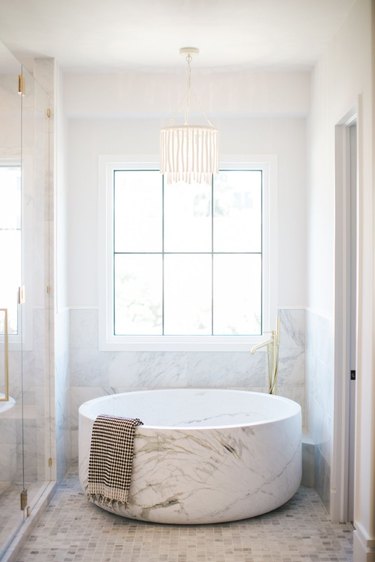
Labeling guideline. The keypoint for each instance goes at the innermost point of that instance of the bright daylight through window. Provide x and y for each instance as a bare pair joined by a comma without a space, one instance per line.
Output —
10,243
187,259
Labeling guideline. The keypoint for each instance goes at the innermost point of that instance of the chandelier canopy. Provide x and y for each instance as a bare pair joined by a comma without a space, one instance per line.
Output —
189,153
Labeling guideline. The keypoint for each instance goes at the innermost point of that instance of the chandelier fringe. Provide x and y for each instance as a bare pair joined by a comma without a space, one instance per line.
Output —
189,153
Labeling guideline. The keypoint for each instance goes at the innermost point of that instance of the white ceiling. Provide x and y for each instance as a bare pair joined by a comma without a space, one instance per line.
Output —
104,35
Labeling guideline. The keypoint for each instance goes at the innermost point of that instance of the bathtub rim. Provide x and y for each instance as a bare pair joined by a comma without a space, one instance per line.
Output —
296,409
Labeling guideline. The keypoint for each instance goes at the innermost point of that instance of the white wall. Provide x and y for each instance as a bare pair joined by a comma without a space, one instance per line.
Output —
343,80
140,94
268,120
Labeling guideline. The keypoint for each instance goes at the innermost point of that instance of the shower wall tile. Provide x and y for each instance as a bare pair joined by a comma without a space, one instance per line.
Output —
24,430
8,430
30,386
30,450
18,441
8,463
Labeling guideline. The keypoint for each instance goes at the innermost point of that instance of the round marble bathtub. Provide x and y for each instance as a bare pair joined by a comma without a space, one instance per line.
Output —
203,456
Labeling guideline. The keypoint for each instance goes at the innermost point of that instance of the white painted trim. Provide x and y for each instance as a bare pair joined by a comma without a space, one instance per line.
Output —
340,445
363,545
364,505
108,342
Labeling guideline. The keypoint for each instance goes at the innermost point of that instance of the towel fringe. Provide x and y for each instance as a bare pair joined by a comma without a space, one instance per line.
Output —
100,500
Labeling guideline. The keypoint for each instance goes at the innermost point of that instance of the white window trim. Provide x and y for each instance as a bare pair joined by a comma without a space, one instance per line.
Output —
108,341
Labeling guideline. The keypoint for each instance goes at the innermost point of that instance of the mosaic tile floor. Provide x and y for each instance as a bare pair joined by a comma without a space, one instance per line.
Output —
73,530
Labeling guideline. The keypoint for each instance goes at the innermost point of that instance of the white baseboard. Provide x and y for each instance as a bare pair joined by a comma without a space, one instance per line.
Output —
363,546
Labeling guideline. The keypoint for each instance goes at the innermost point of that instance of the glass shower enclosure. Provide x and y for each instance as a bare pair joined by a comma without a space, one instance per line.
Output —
25,300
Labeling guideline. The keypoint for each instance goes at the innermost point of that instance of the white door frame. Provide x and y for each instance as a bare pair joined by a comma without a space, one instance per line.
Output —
341,429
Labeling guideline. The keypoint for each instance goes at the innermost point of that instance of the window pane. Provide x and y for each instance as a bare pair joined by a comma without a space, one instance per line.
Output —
138,203
138,294
187,305
187,217
237,211
237,294
10,197
10,278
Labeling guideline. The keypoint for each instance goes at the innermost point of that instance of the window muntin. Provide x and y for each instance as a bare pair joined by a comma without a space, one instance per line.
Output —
187,258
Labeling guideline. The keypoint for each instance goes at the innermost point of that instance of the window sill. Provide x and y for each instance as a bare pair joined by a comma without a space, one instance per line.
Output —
180,343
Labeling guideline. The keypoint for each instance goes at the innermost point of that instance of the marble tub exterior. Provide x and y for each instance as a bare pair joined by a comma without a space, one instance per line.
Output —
203,456
95,373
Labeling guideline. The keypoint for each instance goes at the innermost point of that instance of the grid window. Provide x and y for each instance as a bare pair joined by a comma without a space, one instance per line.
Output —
187,259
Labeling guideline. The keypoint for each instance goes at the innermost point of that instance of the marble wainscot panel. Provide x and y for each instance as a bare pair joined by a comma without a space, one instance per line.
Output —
203,456
62,393
319,392
291,374
94,373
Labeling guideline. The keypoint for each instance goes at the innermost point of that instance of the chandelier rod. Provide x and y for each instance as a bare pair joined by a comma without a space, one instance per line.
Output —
188,87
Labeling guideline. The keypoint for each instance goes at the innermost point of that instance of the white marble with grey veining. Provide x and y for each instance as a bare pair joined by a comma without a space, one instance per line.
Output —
319,396
94,373
204,455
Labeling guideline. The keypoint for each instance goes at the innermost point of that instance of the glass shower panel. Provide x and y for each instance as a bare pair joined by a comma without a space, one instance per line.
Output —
36,308
11,517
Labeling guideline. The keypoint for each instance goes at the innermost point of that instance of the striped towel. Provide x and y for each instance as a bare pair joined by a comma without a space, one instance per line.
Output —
111,459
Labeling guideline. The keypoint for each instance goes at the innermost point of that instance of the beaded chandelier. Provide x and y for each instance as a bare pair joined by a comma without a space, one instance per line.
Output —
189,153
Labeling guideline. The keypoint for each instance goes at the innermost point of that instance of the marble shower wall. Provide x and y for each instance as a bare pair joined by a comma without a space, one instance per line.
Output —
25,429
94,373
29,385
